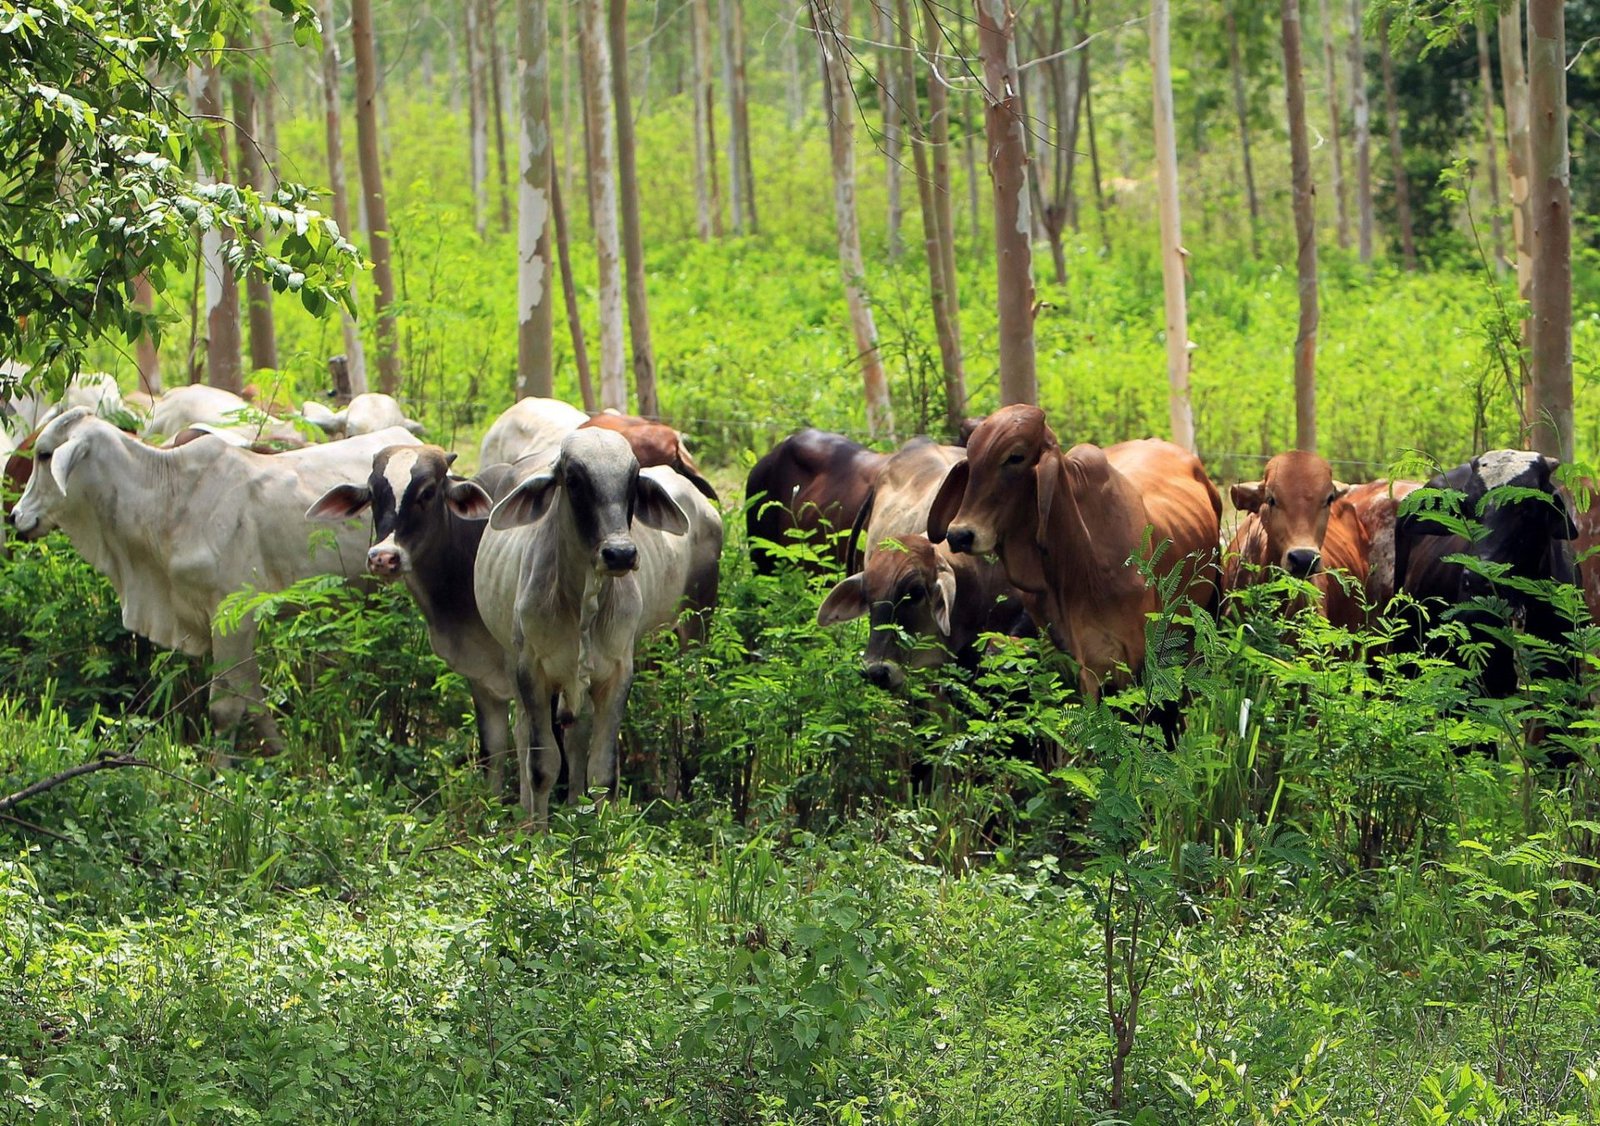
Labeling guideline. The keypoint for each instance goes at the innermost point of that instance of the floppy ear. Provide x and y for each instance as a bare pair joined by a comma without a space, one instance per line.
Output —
340,503
64,460
525,503
655,508
845,602
1248,495
468,500
947,501
944,596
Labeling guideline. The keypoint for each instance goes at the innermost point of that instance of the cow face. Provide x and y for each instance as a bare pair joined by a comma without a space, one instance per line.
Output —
412,495
906,588
1517,530
1292,502
605,493
63,447
1001,492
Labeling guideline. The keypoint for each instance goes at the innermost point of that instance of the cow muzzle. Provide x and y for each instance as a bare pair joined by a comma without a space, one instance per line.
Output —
884,674
965,539
28,525
618,558
1302,562
386,562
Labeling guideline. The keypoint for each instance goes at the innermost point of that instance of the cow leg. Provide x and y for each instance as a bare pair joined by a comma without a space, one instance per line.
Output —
494,734
235,691
610,701
538,758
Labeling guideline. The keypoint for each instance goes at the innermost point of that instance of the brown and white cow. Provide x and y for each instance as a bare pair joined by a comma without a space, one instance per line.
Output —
1294,519
654,443
907,585
807,488
1376,504
1065,526
426,527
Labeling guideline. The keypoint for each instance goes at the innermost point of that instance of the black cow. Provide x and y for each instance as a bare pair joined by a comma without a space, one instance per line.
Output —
1527,535
427,524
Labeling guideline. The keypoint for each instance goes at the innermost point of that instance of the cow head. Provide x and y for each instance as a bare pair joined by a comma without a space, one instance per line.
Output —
906,588
1292,502
998,500
605,493
1518,531
62,448
412,493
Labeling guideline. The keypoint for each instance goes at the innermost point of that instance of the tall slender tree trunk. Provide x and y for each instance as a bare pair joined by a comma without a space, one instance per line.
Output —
1491,156
708,202
567,115
477,115
1335,103
1550,214
944,203
831,20
377,207
1180,413
1013,220
935,236
145,350
644,357
741,119
258,290
1397,156
222,288
1241,111
496,65
1305,228
1514,79
1362,123
793,84
731,21
569,294
889,91
1094,156
599,119
535,323
969,159
355,355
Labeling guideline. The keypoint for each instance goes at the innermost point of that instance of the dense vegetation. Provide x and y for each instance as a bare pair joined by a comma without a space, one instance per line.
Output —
1352,892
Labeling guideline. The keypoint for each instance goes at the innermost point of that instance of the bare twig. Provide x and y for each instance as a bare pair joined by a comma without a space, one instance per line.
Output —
56,779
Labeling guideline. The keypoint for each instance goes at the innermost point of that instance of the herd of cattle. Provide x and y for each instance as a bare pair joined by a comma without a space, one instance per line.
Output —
538,576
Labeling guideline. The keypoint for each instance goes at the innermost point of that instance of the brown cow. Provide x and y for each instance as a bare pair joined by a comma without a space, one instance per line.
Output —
808,487
654,443
1294,519
1066,524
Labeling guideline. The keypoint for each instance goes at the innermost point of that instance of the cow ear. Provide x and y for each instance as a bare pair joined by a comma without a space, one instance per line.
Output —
947,501
64,460
655,508
845,602
334,423
468,500
342,502
944,597
524,504
1248,495
450,458
415,427
1340,489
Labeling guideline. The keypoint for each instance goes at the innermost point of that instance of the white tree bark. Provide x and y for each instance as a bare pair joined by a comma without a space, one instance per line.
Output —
224,367
1179,411
831,19
535,295
354,353
603,200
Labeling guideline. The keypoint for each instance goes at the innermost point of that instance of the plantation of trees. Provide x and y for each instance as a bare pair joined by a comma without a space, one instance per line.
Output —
1188,783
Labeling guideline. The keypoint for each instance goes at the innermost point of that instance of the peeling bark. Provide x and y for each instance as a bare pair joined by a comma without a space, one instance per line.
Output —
600,126
354,353
377,207
535,323
223,364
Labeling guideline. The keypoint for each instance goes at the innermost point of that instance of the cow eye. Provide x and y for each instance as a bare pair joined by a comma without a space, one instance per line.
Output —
1331,498
1272,502
1017,458
426,495
916,593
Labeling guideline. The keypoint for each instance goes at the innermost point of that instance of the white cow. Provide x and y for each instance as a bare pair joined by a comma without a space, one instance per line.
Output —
26,411
580,561
367,413
529,426
215,411
177,531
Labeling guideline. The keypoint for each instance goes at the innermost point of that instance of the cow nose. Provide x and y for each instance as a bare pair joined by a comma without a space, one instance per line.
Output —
1303,562
960,539
619,556
876,673
383,561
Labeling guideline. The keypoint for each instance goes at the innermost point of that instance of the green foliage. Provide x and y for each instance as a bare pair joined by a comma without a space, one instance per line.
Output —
99,183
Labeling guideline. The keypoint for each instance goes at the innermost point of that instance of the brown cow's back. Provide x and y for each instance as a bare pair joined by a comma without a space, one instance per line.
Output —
654,443
1182,506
